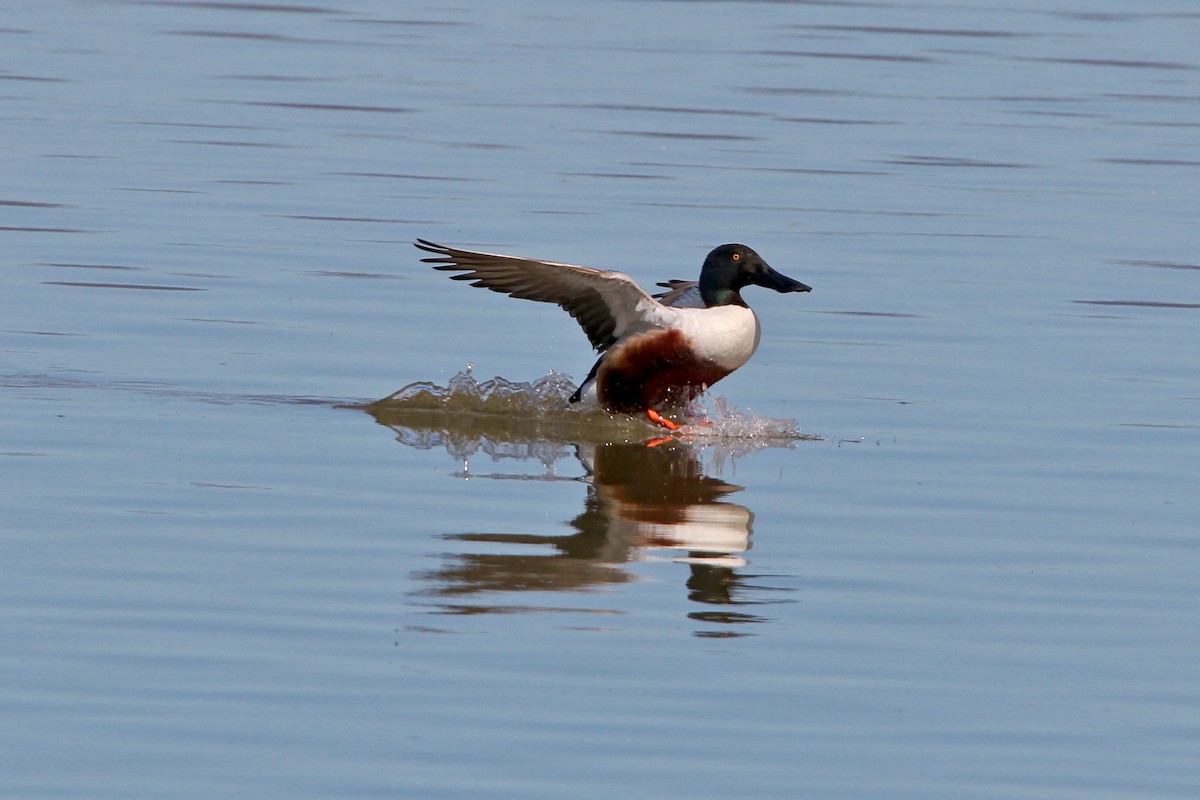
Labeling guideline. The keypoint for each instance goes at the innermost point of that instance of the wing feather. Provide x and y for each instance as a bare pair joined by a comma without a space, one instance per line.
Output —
680,294
607,304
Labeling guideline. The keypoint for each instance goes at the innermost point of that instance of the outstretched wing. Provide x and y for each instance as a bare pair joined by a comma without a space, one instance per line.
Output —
607,304
680,294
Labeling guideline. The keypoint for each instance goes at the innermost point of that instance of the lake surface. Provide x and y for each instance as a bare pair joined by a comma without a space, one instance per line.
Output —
944,542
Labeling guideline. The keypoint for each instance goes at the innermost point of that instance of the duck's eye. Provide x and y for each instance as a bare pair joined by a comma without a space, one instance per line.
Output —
736,256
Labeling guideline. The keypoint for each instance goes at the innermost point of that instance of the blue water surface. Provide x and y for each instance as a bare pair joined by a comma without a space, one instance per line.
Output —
971,575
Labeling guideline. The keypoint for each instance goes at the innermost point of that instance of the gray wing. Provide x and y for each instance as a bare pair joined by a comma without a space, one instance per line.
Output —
680,294
607,304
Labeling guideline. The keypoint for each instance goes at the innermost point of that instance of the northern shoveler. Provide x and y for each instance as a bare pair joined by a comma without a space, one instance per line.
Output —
659,350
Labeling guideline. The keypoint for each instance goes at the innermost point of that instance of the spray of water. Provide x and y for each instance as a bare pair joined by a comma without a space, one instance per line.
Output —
544,403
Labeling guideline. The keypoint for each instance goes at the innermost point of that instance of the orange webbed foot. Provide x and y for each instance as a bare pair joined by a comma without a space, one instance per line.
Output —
659,419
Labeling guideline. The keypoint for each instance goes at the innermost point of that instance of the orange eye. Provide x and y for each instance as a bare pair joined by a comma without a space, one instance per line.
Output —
736,256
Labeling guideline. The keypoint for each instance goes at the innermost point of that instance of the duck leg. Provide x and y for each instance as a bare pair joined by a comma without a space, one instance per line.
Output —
659,419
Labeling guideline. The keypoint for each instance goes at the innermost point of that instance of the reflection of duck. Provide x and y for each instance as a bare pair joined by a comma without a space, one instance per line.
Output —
640,500
659,497
643,500
653,353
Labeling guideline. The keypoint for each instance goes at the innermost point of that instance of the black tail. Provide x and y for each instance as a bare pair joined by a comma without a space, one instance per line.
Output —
575,398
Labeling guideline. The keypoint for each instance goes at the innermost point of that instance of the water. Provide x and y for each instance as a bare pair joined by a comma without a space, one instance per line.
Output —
962,564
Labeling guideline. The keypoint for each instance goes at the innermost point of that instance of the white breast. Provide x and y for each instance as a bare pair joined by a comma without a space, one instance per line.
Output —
724,335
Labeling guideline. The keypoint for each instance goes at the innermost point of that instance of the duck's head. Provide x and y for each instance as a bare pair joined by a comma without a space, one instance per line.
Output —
731,267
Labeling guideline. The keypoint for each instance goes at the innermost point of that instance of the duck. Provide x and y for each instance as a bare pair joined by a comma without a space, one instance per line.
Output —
657,351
